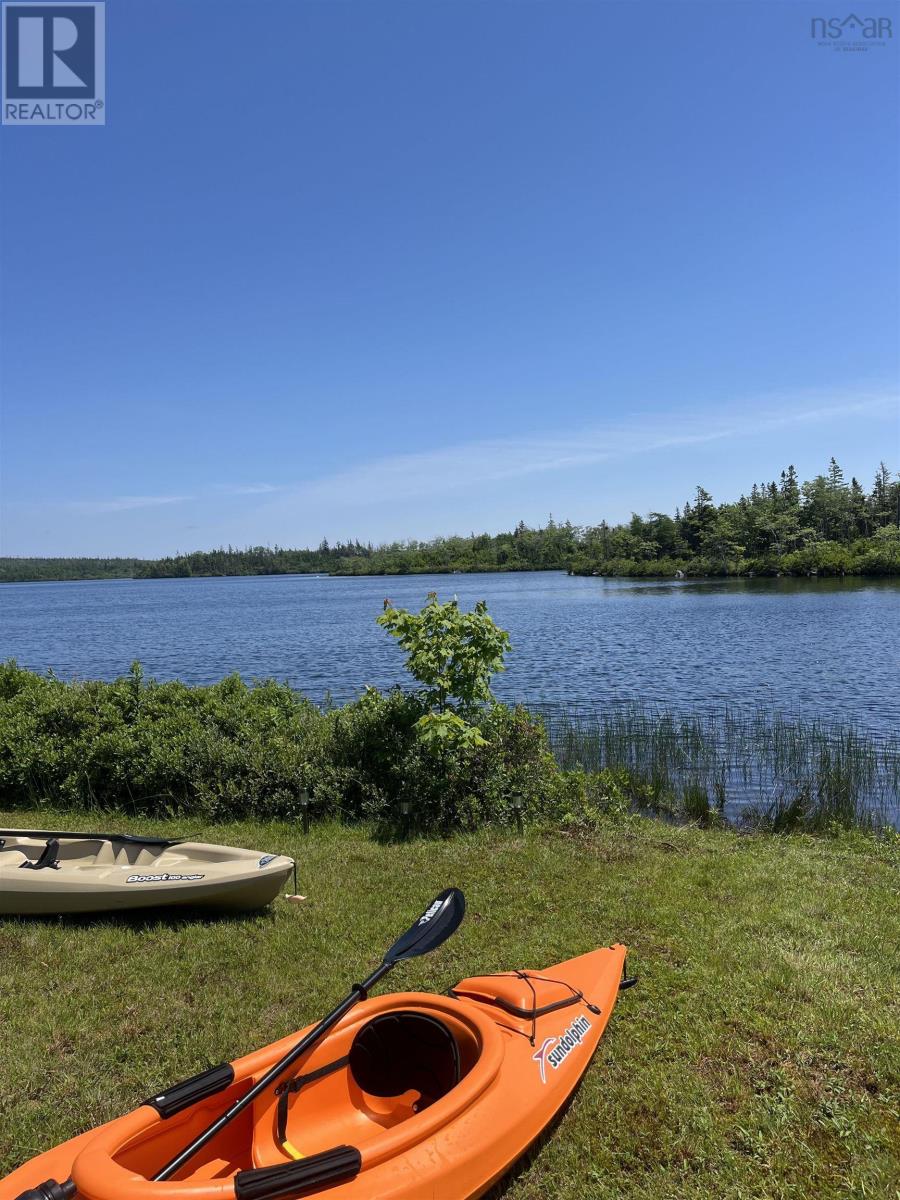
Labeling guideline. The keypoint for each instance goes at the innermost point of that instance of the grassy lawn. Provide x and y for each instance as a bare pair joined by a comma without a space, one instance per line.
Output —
759,1056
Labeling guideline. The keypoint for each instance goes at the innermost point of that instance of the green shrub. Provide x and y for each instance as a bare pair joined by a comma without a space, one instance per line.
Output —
380,769
584,800
880,555
155,748
367,743
231,750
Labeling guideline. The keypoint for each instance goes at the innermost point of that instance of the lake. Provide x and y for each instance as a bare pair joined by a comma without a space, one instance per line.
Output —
825,648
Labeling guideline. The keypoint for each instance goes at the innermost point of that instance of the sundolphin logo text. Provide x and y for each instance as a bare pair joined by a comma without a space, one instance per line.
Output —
164,878
555,1050
435,908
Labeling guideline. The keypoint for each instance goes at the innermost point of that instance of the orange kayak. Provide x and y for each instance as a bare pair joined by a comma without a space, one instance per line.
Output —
411,1096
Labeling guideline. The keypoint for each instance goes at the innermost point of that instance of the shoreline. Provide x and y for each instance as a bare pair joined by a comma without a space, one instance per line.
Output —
664,577
98,742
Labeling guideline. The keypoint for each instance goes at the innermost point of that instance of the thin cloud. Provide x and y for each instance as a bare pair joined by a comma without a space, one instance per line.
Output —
114,504
247,489
468,465
477,464
122,503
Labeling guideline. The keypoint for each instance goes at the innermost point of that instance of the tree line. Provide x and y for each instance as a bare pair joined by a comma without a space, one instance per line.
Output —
826,525
823,526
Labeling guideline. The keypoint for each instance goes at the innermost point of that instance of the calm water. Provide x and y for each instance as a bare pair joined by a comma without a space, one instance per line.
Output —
827,648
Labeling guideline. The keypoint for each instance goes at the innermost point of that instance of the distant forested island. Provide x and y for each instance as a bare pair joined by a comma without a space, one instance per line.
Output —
825,526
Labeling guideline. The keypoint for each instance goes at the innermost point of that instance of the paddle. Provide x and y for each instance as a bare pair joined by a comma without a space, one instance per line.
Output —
436,924
433,927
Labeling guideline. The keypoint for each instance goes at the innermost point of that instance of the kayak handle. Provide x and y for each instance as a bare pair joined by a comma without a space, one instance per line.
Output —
290,1179
627,981
179,1096
49,1190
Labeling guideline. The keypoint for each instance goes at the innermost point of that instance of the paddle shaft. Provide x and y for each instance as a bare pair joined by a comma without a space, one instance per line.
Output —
314,1035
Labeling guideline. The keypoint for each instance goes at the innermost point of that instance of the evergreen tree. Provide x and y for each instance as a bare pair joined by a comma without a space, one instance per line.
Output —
858,510
790,488
698,518
884,510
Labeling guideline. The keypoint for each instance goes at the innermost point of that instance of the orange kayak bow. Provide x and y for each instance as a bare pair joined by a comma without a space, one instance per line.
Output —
410,1096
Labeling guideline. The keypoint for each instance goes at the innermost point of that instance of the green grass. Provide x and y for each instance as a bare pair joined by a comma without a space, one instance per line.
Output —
758,1057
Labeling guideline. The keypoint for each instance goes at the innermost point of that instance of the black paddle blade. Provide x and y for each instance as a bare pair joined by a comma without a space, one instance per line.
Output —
441,918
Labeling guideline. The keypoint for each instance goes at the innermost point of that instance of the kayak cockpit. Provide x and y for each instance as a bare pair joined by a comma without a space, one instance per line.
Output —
388,1077
53,852
378,1084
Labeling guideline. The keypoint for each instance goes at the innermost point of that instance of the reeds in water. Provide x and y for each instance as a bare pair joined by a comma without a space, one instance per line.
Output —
757,767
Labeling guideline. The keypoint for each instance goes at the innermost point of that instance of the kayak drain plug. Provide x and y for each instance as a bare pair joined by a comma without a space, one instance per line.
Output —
51,1190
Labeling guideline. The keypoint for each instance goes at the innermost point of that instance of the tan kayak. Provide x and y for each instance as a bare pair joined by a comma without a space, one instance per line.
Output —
44,872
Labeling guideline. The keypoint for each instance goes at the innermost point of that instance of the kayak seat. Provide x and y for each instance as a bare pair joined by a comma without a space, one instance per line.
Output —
366,1082
401,1052
49,858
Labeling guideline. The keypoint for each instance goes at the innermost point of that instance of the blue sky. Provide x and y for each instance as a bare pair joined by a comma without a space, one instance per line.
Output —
381,269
